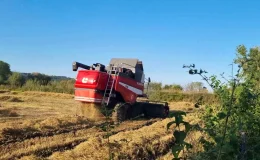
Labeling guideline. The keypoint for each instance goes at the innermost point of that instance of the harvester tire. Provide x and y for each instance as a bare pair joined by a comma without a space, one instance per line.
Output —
120,112
155,110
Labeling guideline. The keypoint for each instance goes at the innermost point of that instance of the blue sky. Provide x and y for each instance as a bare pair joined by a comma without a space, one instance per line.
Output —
48,35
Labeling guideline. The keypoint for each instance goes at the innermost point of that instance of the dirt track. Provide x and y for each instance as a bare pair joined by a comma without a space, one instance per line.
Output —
57,133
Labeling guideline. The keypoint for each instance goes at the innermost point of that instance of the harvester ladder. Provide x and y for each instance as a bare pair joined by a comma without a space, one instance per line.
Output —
110,85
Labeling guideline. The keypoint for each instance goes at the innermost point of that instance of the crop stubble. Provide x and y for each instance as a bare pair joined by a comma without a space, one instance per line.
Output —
58,134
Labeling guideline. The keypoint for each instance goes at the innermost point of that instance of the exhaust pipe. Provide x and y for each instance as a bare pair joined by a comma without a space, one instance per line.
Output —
77,65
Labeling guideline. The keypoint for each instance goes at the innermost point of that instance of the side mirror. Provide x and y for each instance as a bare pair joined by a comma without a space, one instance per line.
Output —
74,66
149,80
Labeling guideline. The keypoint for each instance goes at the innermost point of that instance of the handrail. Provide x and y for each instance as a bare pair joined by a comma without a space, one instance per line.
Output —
117,67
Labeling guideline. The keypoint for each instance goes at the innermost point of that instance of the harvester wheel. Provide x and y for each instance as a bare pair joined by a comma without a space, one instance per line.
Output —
156,110
120,112
166,110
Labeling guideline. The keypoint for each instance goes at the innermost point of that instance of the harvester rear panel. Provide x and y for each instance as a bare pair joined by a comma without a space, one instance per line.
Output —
117,87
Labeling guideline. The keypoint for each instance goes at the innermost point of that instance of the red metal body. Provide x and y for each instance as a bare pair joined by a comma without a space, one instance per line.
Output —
91,84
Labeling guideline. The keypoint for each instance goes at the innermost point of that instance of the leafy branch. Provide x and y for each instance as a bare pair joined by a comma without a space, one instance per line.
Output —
219,89
180,135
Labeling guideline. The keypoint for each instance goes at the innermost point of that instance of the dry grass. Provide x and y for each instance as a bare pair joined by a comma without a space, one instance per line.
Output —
92,111
31,105
146,142
8,113
183,106
41,125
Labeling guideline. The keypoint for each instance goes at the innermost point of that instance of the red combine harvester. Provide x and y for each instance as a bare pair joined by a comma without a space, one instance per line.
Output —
118,87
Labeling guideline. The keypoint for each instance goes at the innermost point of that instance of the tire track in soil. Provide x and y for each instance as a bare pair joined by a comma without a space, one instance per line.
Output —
60,148
150,143
48,152
19,135
147,142
11,137
45,152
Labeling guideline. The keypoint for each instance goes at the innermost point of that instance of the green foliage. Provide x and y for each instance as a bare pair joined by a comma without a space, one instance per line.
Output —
155,86
4,72
42,79
234,124
173,87
62,86
16,79
179,135
33,82
206,98
152,89
195,87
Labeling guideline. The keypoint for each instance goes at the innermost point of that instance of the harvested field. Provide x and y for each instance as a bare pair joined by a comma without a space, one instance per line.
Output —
37,125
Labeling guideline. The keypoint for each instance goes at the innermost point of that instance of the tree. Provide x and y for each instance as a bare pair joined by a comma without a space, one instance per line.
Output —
175,87
4,72
155,86
250,63
16,79
42,79
153,90
233,123
195,87
167,86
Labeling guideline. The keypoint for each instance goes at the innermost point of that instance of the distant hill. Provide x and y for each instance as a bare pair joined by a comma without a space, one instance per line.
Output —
52,77
60,78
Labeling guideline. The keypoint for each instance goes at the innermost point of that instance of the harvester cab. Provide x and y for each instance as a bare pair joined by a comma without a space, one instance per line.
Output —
117,87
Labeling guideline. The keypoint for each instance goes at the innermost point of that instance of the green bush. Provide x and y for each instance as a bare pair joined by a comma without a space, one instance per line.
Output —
62,86
233,125
4,72
16,79
208,98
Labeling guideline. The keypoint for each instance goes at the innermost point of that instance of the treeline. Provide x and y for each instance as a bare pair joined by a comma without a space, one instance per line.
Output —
191,92
190,87
33,81
41,82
